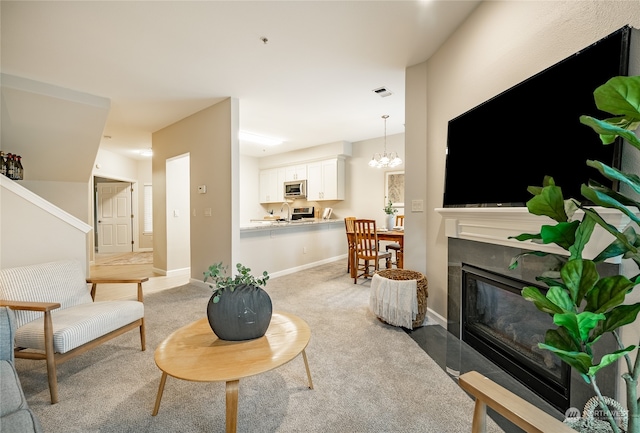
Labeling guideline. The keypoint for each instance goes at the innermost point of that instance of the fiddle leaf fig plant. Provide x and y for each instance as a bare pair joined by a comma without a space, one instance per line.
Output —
585,306
221,282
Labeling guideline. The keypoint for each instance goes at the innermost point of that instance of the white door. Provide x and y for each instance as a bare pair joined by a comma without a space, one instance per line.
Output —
114,217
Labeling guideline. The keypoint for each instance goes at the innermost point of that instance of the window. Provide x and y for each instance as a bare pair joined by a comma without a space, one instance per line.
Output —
148,210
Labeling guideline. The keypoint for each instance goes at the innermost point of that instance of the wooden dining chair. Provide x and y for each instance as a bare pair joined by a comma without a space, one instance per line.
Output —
349,225
395,247
367,250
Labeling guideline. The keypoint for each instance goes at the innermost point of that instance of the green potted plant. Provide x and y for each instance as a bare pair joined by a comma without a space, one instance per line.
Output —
585,306
239,309
390,212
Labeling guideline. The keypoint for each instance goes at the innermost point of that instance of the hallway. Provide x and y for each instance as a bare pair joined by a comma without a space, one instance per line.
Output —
130,265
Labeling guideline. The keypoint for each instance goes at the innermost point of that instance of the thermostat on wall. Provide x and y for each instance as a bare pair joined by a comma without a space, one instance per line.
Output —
202,189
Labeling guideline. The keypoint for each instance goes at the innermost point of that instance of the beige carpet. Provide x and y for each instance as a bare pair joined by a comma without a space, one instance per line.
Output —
138,258
368,376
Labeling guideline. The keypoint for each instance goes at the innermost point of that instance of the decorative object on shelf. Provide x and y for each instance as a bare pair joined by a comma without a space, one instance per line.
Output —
239,309
390,212
11,166
584,305
384,159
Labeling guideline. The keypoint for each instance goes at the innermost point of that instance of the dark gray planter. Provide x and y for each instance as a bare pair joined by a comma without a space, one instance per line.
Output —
243,314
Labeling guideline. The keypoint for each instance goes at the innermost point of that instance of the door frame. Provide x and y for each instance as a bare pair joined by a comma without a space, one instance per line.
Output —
135,210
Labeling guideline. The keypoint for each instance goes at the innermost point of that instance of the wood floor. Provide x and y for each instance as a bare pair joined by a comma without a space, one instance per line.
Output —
157,282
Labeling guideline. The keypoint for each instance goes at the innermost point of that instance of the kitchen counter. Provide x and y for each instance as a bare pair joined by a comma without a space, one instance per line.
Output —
256,225
282,247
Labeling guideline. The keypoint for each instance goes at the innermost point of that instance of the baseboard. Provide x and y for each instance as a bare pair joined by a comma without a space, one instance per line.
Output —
435,318
200,283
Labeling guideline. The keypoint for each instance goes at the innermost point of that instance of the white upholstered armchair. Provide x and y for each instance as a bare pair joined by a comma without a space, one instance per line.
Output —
57,317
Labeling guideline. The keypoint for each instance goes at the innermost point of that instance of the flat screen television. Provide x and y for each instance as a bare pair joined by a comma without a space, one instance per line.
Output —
510,142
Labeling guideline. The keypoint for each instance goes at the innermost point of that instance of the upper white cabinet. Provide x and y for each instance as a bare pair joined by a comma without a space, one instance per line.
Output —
325,180
271,185
296,172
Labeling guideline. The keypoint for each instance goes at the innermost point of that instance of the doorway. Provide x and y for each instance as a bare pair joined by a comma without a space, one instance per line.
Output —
113,216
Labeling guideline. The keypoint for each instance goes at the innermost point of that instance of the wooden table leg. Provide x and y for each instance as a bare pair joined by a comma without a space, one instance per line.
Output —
232,405
400,255
306,365
163,380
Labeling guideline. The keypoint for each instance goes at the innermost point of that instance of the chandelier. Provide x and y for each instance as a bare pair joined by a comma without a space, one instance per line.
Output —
384,159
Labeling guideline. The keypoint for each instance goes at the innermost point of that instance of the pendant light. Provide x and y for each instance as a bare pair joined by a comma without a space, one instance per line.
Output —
384,159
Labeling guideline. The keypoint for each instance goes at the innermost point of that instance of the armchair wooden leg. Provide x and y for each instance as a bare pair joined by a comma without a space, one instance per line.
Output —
50,356
143,338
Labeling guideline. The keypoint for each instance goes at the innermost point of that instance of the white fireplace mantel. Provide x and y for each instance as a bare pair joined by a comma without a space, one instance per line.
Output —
496,225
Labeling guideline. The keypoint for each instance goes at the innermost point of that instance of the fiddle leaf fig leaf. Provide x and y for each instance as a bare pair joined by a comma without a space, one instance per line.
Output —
515,260
561,298
607,293
608,227
582,236
618,248
608,131
630,179
527,237
578,325
541,302
579,276
581,361
619,96
550,282
619,316
609,200
560,339
609,359
549,202
562,234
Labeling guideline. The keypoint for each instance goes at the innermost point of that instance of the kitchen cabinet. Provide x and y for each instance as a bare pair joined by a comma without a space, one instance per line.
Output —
296,172
271,184
325,180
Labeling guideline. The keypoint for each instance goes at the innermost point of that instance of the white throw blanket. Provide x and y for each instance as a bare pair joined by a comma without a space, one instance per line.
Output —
394,301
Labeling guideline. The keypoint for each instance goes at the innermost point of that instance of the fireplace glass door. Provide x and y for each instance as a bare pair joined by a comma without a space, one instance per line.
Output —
499,323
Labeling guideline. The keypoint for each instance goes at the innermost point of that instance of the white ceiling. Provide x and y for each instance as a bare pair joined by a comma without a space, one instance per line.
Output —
160,61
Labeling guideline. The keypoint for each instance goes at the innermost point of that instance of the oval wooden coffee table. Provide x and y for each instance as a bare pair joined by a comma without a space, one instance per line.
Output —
195,353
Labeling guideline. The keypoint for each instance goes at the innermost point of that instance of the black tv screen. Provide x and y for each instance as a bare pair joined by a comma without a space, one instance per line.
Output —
510,142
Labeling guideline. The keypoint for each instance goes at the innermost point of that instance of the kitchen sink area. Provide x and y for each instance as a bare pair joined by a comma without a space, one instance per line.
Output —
269,224
299,216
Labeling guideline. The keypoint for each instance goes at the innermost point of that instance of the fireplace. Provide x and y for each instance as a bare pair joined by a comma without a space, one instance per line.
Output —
504,327
479,279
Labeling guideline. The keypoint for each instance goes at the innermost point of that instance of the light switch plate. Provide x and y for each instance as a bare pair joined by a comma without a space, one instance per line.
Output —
416,206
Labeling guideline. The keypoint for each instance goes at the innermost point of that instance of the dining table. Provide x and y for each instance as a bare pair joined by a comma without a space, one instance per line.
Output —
396,236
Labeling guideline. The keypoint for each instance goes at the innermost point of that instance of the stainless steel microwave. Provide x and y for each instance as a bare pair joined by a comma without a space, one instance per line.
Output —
295,189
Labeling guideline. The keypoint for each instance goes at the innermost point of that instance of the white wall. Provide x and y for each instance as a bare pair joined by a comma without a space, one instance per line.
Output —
210,138
178,213
73,197
416,176
501,44
35,231
250,207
